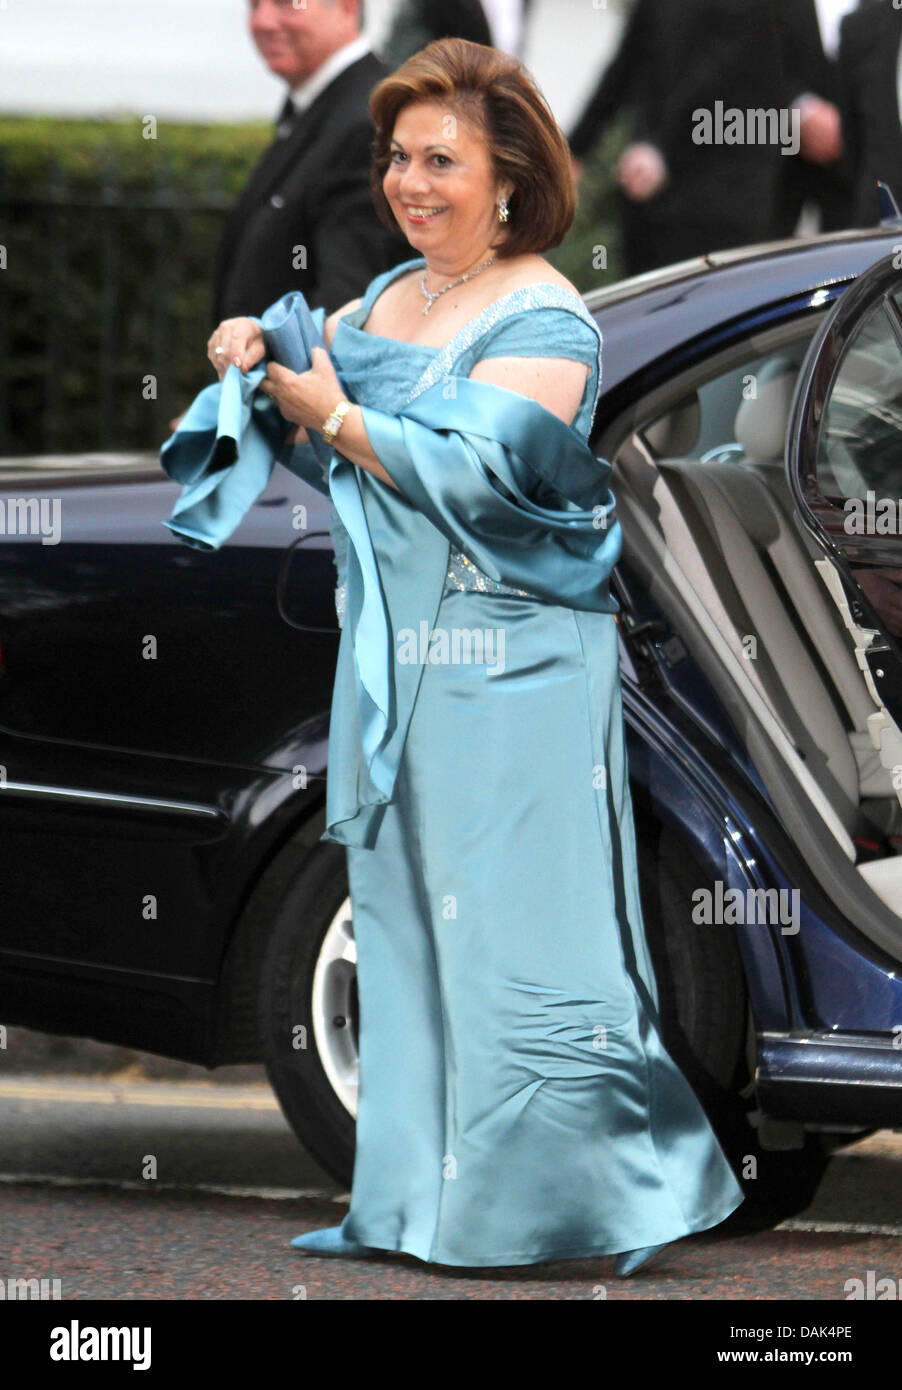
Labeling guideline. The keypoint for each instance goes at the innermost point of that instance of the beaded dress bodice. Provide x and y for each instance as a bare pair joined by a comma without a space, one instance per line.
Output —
388,374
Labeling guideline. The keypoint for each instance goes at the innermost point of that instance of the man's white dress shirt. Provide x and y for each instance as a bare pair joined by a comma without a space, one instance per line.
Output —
305,92
830,14
505,19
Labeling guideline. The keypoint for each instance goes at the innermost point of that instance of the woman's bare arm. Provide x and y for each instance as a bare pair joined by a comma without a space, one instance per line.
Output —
306,398
557,383
331,322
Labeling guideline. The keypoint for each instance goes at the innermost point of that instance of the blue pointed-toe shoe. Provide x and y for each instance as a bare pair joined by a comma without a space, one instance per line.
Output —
331,1242
630,1260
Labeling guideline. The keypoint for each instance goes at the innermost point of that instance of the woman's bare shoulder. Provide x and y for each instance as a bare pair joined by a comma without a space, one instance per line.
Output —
331,323
535,270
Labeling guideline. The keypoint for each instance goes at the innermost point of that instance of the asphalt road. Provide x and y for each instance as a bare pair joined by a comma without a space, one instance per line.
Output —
230,1186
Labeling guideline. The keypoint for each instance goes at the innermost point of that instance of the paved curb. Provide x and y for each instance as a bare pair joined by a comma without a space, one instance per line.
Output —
36,1053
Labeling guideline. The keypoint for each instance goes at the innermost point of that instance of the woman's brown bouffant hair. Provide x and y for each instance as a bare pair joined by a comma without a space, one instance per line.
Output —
526,145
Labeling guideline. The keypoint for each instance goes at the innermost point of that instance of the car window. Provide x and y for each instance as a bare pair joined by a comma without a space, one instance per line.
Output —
742,412
860,443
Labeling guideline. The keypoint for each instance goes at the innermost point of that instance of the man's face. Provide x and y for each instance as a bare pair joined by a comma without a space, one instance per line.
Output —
295,37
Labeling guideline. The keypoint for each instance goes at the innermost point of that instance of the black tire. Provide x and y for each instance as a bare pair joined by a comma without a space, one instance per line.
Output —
298,1075
704,1022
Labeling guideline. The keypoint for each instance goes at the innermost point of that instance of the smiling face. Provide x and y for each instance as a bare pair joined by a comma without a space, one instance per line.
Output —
442,188
295,39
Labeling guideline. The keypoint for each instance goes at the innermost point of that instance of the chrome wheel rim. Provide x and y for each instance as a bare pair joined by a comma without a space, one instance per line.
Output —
334,1007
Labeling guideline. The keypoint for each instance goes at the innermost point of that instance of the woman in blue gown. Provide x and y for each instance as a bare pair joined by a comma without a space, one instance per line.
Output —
516,1102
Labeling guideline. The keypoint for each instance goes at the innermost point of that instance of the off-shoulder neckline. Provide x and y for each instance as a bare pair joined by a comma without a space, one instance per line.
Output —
428,347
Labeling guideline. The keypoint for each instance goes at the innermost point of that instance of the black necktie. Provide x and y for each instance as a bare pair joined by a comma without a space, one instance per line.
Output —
285,118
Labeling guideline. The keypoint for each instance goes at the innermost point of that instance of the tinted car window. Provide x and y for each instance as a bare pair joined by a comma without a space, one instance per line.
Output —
741,412
860,444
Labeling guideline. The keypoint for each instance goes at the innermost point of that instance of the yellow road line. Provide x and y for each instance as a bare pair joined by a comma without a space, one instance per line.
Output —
268,1194
193,1095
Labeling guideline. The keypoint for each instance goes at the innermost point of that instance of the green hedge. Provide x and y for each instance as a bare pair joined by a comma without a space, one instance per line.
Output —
193,156
110,239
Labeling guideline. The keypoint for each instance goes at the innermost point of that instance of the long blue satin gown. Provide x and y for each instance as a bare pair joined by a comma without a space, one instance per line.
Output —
516,1103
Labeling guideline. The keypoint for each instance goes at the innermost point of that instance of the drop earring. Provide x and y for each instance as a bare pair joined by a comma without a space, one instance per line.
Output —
503,212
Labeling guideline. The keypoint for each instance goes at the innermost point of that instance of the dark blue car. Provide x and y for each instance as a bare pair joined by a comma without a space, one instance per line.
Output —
164,727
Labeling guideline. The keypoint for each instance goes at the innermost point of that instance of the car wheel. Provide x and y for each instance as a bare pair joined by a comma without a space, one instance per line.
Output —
308,1010
704,1021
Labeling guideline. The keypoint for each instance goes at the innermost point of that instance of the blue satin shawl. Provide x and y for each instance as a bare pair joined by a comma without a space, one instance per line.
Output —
477,466
501,478
231,435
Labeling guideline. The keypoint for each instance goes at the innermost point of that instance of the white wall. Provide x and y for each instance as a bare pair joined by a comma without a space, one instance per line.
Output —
194,60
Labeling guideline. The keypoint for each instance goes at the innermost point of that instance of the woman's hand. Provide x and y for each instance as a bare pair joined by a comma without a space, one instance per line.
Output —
305,398
241,341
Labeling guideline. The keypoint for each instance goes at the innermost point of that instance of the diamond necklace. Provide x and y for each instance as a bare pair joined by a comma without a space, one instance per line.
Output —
469,275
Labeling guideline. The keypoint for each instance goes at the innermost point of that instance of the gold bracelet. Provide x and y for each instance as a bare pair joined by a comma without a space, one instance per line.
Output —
334,420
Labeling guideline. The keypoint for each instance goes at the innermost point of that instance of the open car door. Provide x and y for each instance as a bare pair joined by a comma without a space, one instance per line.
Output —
844,464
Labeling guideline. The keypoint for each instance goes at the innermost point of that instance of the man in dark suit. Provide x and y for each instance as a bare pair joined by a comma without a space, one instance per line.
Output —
870,64
820,175
306,220
680,197
418,22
